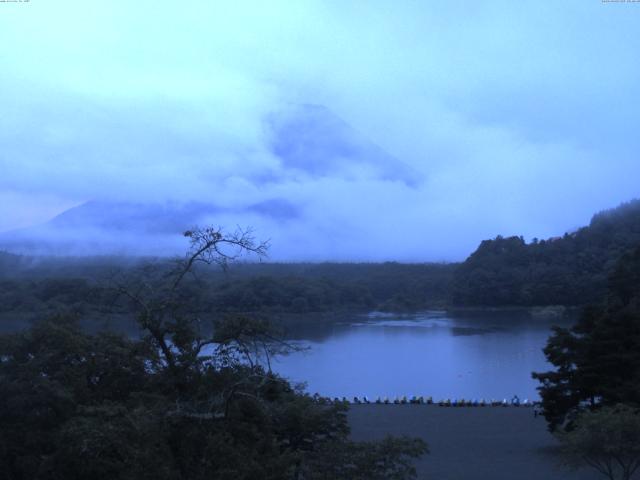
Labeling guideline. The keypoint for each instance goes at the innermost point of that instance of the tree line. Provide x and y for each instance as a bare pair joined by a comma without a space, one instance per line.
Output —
568,270
180,401
247,288
591,398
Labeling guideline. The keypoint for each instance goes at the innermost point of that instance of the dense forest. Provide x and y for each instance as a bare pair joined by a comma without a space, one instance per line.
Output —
598,358
571,270
568,270
591,397
174,403
30,288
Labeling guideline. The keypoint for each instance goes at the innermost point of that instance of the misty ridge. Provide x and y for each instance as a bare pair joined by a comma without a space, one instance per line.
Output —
316,177
319,240
564,272
307,140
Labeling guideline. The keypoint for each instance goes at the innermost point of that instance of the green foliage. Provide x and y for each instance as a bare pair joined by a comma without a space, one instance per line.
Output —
388,459
269,289
568,270
78,406
176,403
607,439
598,360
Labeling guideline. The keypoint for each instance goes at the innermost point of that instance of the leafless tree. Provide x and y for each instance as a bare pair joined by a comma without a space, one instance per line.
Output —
156,301
240,343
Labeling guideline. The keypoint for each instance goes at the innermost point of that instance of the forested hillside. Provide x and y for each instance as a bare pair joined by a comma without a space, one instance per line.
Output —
32,288
568,270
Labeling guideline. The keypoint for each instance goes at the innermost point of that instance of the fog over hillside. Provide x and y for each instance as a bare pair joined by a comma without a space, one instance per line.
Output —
339,131
105,228
308,140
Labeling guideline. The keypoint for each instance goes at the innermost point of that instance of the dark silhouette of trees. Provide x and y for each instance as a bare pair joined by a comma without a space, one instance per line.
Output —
598,360
81,286
567,270
180,401
607,440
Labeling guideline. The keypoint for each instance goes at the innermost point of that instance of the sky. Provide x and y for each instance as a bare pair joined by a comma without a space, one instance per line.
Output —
495,117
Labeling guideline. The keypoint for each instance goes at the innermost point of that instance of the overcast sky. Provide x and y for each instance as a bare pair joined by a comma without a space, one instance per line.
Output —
512,117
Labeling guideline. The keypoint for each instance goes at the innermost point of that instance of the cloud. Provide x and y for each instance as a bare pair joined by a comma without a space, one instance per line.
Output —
464,120
313,140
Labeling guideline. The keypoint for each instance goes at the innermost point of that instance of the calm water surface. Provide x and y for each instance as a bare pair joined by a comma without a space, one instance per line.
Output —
488,355
479,356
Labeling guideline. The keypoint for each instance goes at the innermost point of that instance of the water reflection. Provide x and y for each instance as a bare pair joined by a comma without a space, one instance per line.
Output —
488,355
470,355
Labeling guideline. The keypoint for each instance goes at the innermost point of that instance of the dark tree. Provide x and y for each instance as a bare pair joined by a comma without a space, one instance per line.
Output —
598,360
607,440
567,270
180,402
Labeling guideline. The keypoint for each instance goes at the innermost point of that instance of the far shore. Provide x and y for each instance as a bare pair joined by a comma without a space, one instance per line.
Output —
550,312
11,322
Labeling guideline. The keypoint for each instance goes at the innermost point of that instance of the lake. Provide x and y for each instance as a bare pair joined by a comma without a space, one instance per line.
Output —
472,355
482,355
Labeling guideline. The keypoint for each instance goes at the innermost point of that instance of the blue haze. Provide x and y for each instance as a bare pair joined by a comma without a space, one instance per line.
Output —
378,130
